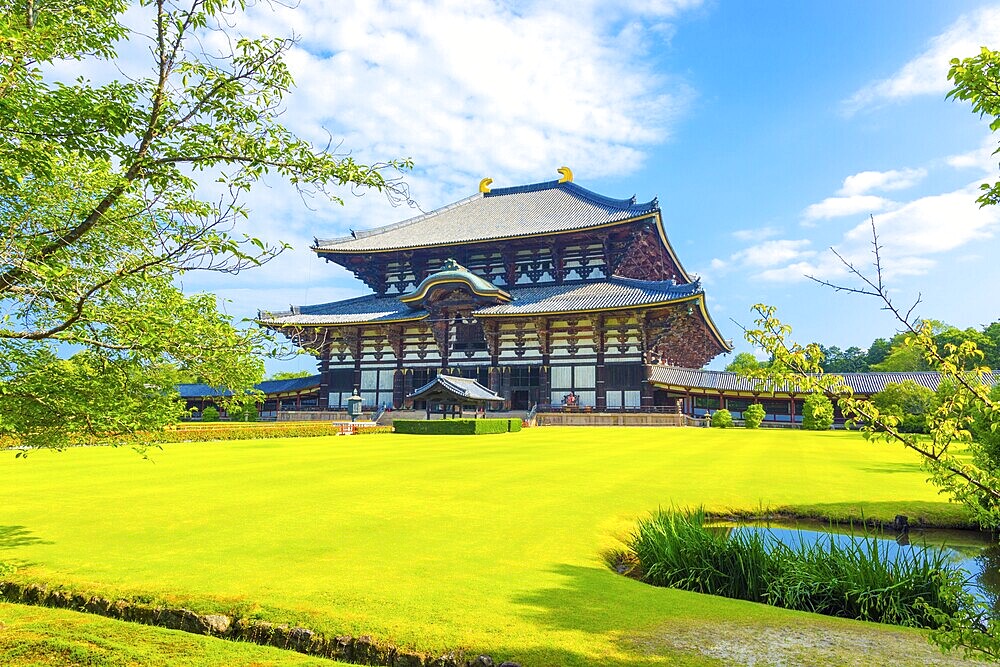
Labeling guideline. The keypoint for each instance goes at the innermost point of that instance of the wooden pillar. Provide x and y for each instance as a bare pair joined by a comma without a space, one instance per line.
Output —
324,377
646,400
398,391
791,408
600,375
543,333
407,385
722,401
505,386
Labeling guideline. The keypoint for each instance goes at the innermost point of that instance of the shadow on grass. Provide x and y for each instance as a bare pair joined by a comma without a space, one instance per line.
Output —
590,599
12,537
602,603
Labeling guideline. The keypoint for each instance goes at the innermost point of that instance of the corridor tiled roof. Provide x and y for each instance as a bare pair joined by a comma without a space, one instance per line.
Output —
502,213
201,390
724,381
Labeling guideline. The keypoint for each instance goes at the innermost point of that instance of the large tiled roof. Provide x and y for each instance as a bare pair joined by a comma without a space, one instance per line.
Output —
464,387
531,299
200,390
860,383
502,213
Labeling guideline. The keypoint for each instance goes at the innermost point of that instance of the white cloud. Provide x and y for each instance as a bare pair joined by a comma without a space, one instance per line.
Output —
766,254
770,253
909,238
483,89
756,234
895,179
838,207
931,225
928,72
983,158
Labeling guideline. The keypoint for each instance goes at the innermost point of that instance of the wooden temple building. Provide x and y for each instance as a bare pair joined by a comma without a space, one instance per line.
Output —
538,292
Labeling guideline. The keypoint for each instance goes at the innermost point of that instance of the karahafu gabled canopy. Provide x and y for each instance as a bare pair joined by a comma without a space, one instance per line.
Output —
450,390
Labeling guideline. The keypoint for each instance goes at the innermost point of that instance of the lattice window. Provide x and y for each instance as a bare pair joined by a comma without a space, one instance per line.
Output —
469,337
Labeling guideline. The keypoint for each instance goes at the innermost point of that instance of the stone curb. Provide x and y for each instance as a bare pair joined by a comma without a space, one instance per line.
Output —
361,650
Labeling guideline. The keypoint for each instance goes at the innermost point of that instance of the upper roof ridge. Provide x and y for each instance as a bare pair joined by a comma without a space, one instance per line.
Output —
364,233
580,191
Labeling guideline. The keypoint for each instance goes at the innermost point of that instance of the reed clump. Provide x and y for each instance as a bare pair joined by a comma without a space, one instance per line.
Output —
860,579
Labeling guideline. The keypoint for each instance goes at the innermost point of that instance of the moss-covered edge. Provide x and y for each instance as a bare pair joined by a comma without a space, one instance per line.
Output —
877,515
363,650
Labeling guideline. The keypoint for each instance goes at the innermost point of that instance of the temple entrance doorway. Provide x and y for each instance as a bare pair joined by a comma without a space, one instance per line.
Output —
519,399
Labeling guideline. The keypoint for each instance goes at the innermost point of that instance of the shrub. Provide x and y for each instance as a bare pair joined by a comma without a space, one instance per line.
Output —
456,426
210,414
243,413
722,419
858,579
817,412
907,401
753,415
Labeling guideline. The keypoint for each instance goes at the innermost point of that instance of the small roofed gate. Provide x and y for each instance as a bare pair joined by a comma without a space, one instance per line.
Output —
452,393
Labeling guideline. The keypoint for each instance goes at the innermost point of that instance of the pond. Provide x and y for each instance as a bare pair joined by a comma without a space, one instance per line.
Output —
974,553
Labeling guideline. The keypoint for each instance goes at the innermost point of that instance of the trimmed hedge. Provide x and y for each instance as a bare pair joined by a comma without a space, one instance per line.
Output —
456,426
240,431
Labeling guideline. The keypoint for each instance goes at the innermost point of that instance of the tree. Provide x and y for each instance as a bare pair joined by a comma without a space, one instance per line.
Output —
109,192
909,402
754,415
722,419
243,413
961,466
290,375
976,81
817,412
743,362
877,351
902,359
851,360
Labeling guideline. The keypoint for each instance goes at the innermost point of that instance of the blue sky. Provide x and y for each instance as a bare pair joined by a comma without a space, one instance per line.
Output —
768,130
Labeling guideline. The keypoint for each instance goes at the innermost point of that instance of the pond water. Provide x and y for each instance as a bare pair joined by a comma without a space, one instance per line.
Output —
975,554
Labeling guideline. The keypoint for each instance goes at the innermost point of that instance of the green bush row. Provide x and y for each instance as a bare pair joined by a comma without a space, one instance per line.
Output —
456,426
281,430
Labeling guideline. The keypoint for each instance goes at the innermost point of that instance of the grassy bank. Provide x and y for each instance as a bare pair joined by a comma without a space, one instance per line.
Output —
491,545
39,636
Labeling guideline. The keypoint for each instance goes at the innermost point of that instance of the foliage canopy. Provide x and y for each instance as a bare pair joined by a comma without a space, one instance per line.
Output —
110,191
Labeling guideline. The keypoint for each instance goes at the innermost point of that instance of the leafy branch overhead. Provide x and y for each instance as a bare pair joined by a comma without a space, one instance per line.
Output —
109,192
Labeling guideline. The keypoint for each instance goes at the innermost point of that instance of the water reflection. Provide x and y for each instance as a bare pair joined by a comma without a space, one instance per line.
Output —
974,553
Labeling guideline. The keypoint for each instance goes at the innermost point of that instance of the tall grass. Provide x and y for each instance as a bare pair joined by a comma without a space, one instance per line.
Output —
859,579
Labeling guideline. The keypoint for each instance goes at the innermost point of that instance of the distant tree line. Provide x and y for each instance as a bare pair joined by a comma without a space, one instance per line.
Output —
885,355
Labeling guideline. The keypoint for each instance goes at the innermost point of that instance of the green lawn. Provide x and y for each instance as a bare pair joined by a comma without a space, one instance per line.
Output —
487,543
